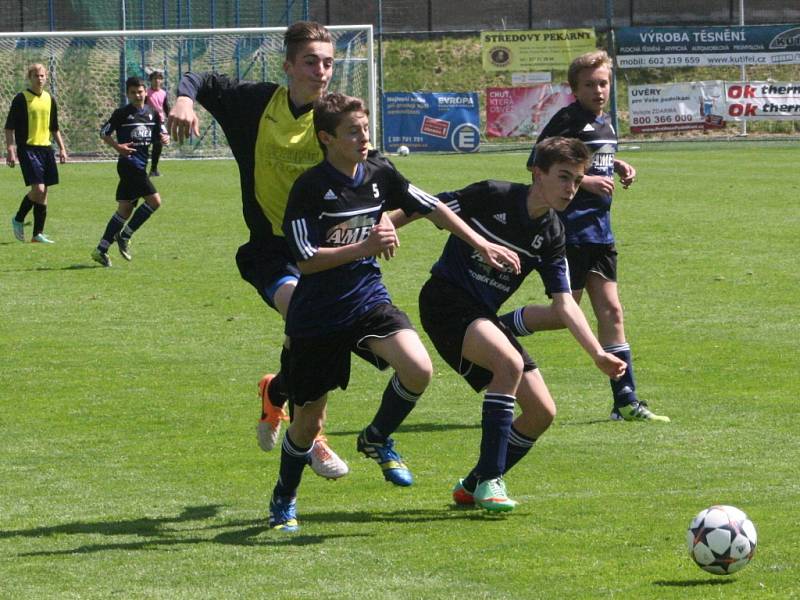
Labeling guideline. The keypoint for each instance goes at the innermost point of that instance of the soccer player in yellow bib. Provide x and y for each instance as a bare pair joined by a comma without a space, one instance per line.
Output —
32,119
270,130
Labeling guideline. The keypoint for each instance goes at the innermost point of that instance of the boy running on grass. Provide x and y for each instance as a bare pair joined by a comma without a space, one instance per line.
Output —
459,303
270,130
136,126
340,306
591,251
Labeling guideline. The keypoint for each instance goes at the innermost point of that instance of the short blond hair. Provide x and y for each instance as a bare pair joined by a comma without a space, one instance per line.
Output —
34,68
590,60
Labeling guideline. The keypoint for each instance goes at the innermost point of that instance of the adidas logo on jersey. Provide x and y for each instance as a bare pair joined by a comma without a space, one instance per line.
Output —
501,217
329,195
588,127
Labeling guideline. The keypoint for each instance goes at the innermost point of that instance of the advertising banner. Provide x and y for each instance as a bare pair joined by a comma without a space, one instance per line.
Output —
524,111
643,47
431,121
546,49
710,104
762,101
676,106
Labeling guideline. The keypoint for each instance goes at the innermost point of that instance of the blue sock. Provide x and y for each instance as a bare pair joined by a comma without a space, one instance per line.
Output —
115,225
498,414
518,446
141,215
515,322
24,208
396,404
39,217
293,461
624,389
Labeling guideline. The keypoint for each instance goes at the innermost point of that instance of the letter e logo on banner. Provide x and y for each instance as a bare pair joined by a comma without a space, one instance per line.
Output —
466,138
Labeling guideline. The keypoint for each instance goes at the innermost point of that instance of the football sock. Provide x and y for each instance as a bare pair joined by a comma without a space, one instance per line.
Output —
156,155
24,208
498,414
39,217
518,446
115,225
293,461
624,388
515,322
141,215
396,404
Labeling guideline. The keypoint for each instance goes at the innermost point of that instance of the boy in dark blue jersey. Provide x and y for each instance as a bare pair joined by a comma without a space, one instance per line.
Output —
137,124
591,251
333,225
459,303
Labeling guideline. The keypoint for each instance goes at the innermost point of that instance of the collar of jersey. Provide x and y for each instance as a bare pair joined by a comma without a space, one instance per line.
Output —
590,116
339,177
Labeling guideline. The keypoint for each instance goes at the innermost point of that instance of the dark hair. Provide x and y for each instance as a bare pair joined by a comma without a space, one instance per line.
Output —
154,74
560,150
134,82
590,60
330,108
301,33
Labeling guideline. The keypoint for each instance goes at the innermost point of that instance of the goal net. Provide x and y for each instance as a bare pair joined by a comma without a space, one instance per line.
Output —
87,72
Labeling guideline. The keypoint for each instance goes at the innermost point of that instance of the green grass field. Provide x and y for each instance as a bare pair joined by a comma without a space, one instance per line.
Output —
128,403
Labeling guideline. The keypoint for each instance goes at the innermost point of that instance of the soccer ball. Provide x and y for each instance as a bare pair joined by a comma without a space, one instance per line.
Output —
721,540
403,151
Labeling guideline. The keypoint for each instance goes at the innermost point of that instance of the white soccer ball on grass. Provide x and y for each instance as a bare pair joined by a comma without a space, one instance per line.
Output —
721,539
403,151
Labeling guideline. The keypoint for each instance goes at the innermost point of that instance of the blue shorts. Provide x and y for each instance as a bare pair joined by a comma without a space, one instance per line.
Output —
446,312
133,183
320,364
38,165
591,258
266,264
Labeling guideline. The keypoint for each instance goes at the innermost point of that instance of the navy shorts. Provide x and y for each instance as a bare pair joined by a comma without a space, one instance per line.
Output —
38,165
446,312
133,183
263,263
591,258
320,364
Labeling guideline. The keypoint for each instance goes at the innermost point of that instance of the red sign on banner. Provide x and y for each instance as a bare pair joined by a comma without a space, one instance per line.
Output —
524,111
435,127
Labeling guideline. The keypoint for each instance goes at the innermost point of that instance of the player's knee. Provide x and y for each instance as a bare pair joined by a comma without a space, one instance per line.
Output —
548,415
154,201
614,315
507,368
416,374
38,195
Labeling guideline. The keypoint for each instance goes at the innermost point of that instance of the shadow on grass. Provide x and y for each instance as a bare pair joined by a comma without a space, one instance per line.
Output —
146,526
76,267
159,533
414,428
693,582
449,513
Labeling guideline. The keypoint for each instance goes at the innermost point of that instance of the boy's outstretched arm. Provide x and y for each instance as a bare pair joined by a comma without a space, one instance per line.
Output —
495,255
573,318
